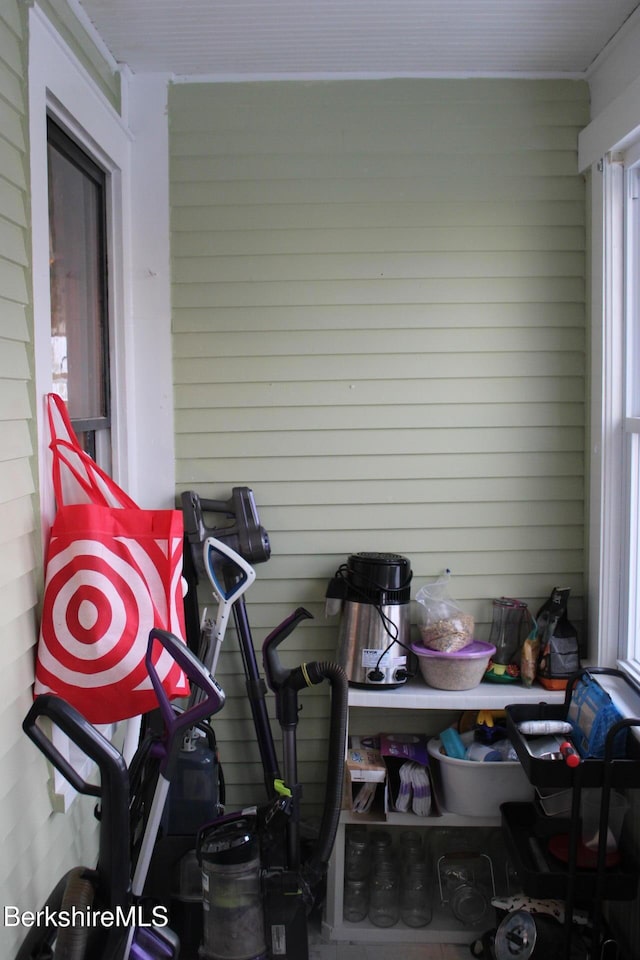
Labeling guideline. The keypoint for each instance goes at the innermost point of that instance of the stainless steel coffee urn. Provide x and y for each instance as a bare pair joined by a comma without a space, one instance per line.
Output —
372,593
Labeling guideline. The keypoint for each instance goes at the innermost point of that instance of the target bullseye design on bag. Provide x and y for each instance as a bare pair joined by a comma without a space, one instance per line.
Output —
100,603
86,573
113,572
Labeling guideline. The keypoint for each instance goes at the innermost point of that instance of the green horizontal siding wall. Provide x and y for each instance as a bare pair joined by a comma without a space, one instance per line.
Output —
378,303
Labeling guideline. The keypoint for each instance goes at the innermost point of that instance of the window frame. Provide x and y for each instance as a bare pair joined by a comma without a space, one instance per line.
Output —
629,647
615,413
97,429
60,88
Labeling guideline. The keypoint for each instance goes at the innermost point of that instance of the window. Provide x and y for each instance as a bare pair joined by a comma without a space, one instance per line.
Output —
136,197
78,271
630,646
77,142
615,472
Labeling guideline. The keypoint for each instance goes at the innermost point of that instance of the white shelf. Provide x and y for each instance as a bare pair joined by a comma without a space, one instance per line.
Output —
444,928
418,696
393,819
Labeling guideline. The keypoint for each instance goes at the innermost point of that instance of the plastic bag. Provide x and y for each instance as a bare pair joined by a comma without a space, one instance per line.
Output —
593,713
443,625
559,651
529,657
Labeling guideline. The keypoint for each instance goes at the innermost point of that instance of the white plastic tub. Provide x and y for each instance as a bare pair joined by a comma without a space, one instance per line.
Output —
474,789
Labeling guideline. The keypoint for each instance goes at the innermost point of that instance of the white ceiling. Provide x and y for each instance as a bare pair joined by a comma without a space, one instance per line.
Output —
235,39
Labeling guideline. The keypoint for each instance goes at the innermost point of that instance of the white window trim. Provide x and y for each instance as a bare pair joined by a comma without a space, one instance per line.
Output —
59,85
605,146
630,659
606,519
614,527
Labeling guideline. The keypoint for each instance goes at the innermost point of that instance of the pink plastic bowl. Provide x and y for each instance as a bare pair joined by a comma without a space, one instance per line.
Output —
459,670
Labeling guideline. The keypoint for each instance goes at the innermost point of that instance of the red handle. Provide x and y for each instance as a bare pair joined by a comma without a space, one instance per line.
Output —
570,754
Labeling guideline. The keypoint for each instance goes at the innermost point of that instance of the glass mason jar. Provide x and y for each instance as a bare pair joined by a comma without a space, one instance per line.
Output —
357,854
384,895
463,883
410,848
356,900
381,846
416,905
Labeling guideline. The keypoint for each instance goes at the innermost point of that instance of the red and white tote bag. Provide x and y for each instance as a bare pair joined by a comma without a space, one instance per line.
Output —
113,572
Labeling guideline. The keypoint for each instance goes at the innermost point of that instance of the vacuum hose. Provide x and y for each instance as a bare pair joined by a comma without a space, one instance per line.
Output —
286,684
315,868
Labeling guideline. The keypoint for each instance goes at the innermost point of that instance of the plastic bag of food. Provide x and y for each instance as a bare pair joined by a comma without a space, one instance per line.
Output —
550,654
443,624
529,657
559,650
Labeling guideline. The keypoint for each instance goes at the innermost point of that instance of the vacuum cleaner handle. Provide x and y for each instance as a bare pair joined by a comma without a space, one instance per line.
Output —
177,724
236,577
277,674
85,736
113,790
214,548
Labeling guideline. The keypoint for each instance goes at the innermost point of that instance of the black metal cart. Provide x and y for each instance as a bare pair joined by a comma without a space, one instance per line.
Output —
528,831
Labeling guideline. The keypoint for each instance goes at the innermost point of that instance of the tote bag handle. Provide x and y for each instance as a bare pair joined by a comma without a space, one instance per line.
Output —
76,475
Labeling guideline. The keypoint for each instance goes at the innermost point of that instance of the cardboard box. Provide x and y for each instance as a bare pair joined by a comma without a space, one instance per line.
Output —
398,749
364,760
365,775
372,770
405,746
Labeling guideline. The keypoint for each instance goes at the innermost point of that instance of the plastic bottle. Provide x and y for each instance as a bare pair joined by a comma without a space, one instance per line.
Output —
539,728
506,750
482,752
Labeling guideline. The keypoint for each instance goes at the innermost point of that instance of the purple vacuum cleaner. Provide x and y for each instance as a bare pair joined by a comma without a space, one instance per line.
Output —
120,927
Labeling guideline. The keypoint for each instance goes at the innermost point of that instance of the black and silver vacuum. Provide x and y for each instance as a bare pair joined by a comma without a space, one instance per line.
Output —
229,854
289,882
372,593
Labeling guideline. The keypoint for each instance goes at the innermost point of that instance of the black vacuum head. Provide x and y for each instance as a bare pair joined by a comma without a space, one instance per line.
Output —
244,534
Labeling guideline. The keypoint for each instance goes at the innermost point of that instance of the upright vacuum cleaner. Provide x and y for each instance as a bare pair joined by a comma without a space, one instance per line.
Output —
197,793
246,537
105,903
266,838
